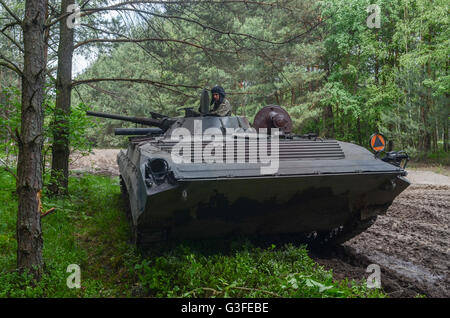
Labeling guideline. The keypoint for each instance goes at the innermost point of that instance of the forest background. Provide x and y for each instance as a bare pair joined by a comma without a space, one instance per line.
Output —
336,72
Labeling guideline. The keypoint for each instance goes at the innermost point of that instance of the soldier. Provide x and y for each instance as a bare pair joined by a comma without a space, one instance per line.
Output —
222,106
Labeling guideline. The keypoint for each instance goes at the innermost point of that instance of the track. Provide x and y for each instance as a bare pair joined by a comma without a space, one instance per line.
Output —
410,244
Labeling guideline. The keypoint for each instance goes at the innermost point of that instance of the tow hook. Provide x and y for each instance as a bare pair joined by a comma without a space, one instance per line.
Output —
396,158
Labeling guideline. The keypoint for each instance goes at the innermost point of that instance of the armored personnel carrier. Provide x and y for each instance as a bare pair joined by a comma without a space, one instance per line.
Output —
202,176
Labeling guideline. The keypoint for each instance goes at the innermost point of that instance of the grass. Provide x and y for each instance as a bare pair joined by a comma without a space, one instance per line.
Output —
89,229
247,271
82,231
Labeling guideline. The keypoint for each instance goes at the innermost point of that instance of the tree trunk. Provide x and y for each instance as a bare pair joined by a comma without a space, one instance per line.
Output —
328,121
426,138
60,149
277,97
293,97
446,139
426,120
3,131
358,128
435,136
377,62
446,145
29,166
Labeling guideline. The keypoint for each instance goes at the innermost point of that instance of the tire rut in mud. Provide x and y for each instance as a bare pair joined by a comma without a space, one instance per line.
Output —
411,244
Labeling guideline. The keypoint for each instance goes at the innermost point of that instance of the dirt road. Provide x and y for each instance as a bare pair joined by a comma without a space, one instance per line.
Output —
411,243
101,161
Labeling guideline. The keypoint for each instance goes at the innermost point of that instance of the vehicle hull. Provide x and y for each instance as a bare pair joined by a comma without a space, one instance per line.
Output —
268,206
327,185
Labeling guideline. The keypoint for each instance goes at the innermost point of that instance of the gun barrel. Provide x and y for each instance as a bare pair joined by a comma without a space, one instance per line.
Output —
137,131
137,120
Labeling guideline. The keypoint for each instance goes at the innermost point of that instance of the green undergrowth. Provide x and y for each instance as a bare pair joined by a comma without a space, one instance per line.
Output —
245,271
89,229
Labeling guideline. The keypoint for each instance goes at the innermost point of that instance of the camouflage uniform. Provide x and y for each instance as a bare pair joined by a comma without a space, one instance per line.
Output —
224,109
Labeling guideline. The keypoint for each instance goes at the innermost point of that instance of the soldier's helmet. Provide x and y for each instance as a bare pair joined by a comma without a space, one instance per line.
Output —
217,90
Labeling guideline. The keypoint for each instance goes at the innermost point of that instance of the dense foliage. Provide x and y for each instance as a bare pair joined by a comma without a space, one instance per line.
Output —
319,59
342,80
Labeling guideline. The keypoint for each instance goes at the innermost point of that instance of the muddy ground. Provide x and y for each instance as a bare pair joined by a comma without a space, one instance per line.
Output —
411,243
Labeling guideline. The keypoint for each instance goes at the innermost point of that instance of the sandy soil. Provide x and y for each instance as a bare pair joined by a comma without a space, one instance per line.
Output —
101,161
411,243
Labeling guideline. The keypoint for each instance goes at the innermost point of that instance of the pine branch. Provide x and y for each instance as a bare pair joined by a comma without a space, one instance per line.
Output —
9,25
10,65
126,3
166,86
249,36
5,166
19,21
120,35
120,7
134,80
148,40
12,40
